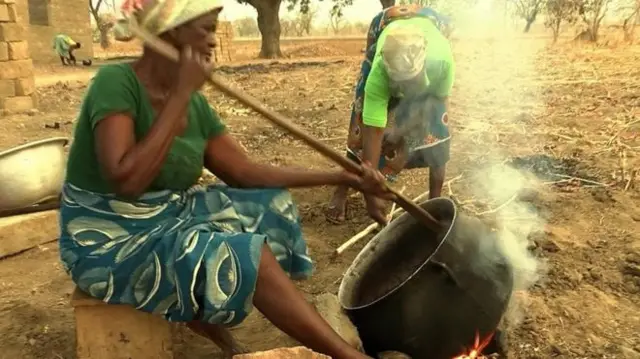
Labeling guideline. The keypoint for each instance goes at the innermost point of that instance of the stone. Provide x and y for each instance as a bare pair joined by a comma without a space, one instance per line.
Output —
11,31
22,232
16,69
25,86
17,103
18,50
109,331
393,355
4,51
284,353
7,88
329,308
13,12
4,13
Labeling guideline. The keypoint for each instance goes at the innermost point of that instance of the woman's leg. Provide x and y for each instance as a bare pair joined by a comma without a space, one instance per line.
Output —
337,211
278,299
436,181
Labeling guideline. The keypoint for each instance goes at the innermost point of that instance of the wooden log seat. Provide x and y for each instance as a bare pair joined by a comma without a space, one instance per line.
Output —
105,331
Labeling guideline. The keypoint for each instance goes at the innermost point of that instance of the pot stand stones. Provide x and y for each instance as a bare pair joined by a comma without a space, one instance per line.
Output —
283,353
106,331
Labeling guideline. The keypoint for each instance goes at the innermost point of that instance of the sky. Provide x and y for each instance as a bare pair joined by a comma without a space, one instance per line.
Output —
361,10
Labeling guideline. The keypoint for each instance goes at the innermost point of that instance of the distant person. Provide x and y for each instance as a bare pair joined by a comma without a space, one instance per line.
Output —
64,47
399,116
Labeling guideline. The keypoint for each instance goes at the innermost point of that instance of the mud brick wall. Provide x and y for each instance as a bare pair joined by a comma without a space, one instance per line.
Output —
46,18
224,38
17,87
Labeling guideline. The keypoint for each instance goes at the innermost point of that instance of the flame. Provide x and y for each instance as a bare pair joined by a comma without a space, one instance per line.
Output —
475,352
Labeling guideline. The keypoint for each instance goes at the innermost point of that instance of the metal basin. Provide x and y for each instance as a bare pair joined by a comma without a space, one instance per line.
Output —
427,294
32,173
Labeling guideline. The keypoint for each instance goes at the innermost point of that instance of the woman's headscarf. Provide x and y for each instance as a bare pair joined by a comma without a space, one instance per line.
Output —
159,16
404,52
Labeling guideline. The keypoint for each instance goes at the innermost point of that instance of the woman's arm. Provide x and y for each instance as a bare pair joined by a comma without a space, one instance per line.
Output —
129,165
374,113
226,159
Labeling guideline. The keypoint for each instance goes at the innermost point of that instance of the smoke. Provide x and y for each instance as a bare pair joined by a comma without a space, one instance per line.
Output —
493,100
489,101
514,222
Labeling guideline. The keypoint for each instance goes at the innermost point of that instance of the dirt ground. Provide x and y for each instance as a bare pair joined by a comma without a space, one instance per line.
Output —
566,113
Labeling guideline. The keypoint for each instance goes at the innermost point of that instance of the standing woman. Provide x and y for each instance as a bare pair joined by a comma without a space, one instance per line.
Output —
399,116
137,230
64,47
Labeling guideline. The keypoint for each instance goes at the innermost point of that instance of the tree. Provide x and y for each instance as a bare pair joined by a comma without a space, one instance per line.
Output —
104,22
336,21
528,10
631,13
304,21
425,3
558,12
592,12
269,21
246,27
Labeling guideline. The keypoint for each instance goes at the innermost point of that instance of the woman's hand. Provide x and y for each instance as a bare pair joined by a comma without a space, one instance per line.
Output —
194,71
372,183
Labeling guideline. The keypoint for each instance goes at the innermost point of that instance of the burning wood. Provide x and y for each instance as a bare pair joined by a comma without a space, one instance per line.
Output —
475,352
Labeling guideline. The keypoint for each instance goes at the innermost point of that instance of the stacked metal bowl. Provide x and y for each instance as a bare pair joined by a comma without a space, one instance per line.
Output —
32,173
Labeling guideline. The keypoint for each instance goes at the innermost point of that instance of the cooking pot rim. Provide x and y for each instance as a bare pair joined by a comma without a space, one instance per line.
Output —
376,239
12,150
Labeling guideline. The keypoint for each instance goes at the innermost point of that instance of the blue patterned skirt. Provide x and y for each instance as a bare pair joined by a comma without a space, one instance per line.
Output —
190,255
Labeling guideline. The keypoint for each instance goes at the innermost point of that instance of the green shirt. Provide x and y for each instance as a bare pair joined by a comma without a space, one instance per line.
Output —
116,89
439,64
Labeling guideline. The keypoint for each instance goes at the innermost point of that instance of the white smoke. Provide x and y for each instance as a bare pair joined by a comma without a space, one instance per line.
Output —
489,101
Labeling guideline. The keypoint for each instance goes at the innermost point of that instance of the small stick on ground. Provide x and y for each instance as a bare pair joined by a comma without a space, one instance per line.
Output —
515,195
393,207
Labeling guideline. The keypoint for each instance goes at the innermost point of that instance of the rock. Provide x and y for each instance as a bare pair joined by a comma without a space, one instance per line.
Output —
393,355
629,353
329,307
631,269
284,353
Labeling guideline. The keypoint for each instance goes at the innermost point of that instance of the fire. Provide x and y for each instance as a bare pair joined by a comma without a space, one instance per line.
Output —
475,352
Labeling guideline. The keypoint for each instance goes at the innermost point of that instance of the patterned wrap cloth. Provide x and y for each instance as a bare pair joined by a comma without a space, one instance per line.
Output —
184,255
428,147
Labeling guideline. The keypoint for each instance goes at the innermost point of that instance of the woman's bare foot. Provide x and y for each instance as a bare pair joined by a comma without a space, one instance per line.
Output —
220,336
336,212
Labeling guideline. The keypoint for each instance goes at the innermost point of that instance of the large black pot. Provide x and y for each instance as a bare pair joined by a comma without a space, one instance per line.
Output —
428,294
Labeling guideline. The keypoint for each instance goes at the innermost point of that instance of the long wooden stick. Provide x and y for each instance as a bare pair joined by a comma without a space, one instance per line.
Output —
279,120
372,227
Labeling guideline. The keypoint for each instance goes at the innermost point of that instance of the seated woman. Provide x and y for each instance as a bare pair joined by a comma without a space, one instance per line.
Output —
136,230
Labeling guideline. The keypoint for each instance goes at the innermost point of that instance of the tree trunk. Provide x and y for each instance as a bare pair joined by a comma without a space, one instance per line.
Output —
387,3
530,22
556,31
105,41
528,26
269,25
